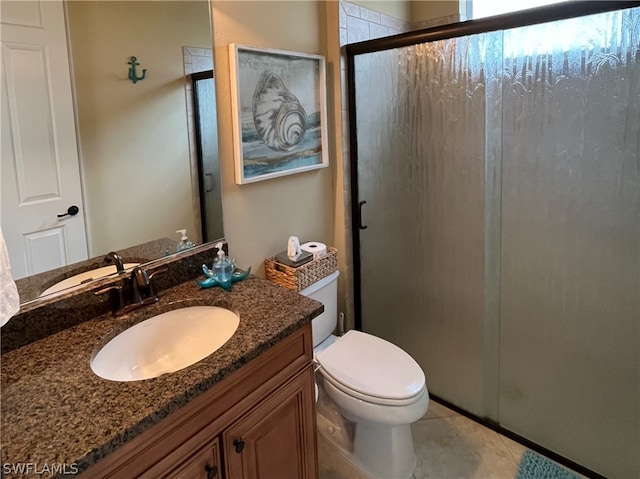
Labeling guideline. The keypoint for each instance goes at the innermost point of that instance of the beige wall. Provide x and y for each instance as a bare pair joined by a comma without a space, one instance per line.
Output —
134,143
259,217
412,10
394,8
422,10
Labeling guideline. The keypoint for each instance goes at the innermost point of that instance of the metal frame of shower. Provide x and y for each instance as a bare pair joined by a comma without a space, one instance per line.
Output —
560,11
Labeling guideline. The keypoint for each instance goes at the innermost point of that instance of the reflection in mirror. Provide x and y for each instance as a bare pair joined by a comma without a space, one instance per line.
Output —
206,136
84,274
140,175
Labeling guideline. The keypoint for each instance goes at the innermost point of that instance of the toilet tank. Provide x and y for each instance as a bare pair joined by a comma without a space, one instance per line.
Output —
325,291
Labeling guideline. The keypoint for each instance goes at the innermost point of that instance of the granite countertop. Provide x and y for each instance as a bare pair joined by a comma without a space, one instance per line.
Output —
56,412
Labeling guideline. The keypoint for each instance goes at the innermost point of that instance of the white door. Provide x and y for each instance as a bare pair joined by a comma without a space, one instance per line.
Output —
40,177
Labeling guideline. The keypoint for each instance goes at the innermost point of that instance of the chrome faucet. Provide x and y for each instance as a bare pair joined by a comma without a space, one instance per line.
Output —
115,258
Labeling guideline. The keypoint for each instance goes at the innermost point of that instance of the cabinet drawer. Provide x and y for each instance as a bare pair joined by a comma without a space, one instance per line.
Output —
205,464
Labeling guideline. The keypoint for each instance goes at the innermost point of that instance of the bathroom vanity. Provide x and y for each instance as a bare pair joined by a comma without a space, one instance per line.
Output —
260,419
247,410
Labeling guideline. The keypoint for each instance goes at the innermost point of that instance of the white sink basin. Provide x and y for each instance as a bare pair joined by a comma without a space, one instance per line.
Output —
165,343
86,276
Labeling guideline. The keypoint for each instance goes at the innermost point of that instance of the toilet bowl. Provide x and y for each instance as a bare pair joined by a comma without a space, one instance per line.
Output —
374,385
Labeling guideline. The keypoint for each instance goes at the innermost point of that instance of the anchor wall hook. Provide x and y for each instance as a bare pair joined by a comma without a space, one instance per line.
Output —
133,75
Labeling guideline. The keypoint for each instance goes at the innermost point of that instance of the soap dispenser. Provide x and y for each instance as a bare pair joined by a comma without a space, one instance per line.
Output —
184,241
223,267
223,272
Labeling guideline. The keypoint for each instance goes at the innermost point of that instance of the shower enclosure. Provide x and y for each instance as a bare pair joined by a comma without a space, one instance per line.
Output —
496,178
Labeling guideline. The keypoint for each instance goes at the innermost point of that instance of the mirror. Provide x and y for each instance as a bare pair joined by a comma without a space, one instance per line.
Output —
138,141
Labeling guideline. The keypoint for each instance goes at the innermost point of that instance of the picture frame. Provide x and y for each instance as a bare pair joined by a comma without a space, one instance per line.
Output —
279,112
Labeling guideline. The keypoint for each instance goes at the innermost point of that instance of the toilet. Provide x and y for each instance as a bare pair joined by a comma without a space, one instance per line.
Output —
372,384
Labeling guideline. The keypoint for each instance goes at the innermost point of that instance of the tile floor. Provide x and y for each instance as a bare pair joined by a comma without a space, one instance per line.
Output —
448,446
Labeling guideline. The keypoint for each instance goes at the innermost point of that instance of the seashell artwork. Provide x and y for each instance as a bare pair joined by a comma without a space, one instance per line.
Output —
279,118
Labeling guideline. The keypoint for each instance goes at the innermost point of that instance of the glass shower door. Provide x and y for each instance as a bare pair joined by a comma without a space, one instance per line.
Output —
570,266
501,174
421,170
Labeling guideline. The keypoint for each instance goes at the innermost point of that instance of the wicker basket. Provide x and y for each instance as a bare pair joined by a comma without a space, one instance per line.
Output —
299,278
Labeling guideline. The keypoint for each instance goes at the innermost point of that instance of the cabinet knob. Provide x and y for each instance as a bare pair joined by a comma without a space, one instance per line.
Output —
212,471
239,445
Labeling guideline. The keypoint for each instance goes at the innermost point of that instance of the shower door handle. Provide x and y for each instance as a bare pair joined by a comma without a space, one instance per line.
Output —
360,225
208,177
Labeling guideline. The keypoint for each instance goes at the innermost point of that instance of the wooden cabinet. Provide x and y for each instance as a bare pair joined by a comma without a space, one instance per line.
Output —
258,423
272,441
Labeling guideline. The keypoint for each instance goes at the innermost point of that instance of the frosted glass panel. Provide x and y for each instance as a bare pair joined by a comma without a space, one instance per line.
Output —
421,163
570,301
502,251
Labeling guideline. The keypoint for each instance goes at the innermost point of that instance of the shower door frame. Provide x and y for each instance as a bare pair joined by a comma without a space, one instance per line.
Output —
561,11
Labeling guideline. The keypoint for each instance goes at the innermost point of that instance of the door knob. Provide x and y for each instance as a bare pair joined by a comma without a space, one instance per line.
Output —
71,211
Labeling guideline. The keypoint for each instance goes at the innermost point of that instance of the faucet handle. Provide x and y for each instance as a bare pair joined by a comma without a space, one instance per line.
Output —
117,288
153,275
158,271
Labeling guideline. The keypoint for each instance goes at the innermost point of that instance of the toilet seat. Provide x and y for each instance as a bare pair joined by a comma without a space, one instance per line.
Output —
372,369
373,399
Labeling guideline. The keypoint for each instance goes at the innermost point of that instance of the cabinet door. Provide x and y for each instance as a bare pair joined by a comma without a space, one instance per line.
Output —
277,438
205,464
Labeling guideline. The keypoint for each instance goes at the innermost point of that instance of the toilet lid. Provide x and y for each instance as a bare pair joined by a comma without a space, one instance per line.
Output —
372,366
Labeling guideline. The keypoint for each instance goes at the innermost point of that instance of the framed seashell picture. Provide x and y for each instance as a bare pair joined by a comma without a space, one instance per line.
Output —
279,112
